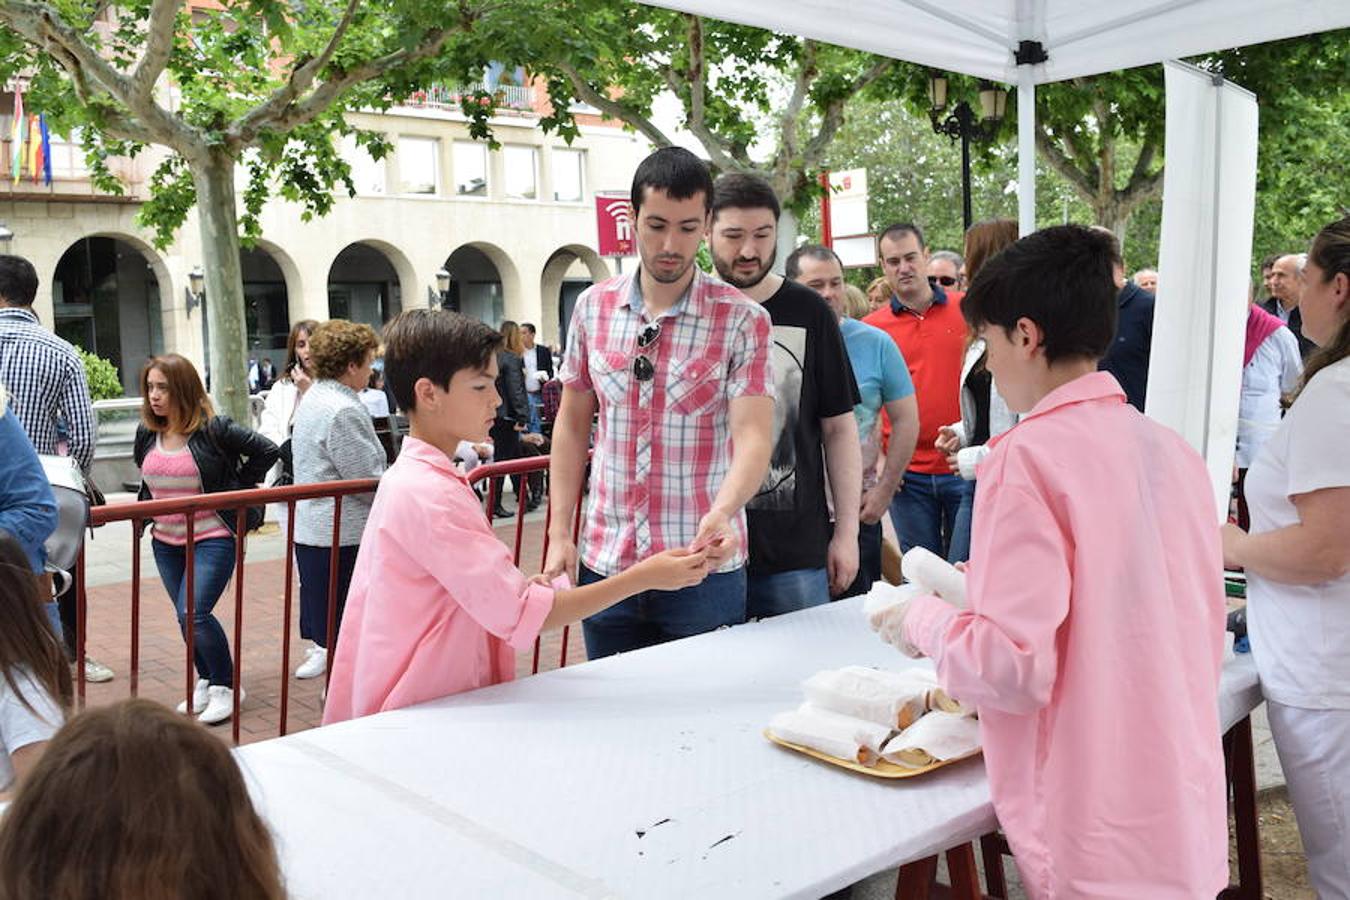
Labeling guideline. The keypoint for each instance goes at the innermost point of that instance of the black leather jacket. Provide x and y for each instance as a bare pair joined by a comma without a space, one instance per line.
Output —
515,405
229,457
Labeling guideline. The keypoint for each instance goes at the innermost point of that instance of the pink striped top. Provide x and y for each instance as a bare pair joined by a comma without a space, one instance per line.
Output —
171,474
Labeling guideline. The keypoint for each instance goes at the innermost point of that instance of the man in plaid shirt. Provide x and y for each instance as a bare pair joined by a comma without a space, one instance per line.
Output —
43,373
46,383
676,363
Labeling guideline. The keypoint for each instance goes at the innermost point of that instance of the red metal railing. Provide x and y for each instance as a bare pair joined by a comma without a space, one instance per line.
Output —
236,503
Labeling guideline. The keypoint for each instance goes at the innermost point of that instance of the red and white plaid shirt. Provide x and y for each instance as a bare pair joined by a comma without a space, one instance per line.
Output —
664,445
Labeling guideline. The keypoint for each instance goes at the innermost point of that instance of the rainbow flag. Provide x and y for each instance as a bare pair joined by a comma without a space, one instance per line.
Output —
17,138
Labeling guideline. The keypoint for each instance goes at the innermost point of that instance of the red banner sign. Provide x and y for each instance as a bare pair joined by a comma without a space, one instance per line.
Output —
615,225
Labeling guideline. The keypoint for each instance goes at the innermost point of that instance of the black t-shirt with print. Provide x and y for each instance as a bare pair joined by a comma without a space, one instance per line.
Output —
813,380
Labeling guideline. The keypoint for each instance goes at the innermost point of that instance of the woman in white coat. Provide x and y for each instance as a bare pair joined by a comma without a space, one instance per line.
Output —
279,411
984,414
1297,560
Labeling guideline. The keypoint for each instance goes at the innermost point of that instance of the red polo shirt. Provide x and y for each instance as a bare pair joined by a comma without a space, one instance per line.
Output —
934,346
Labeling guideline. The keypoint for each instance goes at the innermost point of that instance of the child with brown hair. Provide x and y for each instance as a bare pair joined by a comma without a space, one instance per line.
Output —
134,802
35,686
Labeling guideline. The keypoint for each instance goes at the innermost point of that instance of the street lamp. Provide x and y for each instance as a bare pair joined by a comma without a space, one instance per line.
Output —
443,288
196,288
962,123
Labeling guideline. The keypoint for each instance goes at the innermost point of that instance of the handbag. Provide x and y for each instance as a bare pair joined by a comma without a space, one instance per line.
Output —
71,489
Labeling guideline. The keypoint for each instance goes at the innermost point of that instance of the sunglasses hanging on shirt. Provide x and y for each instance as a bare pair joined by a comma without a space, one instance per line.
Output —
643,368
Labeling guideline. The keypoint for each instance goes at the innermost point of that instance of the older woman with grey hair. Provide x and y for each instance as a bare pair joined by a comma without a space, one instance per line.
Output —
333,439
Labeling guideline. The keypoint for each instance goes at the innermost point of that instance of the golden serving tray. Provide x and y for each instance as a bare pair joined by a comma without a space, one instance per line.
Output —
883,768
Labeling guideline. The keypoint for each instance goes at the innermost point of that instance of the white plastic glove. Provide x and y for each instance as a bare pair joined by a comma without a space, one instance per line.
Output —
889,623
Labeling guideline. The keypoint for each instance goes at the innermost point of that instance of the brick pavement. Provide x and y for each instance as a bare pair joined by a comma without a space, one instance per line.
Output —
163,656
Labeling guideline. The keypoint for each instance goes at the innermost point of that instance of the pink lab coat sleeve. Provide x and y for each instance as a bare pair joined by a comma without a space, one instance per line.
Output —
475,568
1003,653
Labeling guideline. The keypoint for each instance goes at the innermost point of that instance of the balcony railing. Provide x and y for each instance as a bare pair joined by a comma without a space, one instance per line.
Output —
448,96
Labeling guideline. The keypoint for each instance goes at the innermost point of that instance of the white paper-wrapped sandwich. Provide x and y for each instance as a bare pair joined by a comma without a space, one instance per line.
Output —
936,737
842,737
892,699
934,575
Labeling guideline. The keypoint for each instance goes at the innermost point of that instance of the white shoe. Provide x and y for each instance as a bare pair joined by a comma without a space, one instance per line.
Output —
315,664
96,672
220,706
200,697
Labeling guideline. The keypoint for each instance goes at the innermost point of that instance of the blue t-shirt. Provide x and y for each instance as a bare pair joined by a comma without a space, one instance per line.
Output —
882,376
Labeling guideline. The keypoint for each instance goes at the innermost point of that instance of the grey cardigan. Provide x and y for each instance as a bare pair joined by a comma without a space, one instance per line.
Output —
333,439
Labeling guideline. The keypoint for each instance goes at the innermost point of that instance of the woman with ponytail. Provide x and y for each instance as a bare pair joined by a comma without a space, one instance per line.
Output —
1297,559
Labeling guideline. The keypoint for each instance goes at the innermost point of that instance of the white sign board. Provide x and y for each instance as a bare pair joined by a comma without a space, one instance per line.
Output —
848,203
857,251
1209,200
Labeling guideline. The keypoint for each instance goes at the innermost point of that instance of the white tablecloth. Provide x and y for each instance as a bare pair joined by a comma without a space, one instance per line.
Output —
643,775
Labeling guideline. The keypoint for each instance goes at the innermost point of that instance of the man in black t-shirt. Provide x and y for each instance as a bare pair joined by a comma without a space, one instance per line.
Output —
795,562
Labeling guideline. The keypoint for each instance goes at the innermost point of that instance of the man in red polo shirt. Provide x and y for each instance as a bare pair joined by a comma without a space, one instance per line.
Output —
925,322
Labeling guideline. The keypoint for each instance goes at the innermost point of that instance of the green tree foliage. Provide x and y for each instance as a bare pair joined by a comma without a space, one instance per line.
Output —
263,84
104,383
756,101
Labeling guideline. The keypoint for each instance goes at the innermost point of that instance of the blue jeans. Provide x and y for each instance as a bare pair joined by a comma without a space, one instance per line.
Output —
213,564
959,551
924,513
785,592
536,404
654,617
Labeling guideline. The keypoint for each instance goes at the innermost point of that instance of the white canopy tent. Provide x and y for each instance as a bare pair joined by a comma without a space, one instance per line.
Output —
1209,189
1078,37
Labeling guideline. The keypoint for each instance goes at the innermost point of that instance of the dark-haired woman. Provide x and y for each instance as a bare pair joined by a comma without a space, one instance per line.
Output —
1297,560
278,413
183,449
514,413
35,686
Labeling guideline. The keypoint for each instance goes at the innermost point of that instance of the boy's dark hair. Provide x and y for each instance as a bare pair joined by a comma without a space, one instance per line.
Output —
1061,279
793,267
433,344
528,326
18,281
676,171
738,190
899,230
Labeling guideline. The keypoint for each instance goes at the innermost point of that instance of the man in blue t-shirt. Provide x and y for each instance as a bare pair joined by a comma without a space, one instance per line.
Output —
883,381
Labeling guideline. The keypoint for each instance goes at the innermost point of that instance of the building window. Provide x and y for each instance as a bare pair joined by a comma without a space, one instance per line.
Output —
417,165
521,173
567,175
367,174
471,174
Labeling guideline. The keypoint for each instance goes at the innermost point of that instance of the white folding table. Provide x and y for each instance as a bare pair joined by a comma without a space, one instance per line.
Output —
643,775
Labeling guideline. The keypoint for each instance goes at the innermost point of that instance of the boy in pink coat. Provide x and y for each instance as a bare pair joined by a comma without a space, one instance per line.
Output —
436,606
1094,638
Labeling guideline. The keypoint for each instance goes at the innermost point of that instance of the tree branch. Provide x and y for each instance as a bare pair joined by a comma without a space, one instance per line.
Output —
833,115
300,80
695,78
42,26
1061,163
614,109
159,34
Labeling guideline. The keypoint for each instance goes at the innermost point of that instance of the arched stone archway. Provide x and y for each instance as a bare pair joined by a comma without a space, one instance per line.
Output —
367,282
271,279
108,296
482,281
569,271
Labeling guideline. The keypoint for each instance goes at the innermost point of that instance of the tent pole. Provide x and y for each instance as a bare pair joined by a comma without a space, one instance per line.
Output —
1026,149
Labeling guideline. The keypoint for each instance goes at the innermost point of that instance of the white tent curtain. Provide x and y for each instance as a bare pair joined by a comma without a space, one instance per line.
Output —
1209,199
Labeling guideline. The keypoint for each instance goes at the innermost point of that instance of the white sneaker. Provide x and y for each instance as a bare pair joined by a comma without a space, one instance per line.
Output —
220,706
96,672
315,664
200,697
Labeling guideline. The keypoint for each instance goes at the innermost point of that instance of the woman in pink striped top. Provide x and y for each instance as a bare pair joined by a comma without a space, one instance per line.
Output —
184,449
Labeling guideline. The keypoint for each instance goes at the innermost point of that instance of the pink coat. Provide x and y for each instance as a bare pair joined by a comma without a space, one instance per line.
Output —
436,606
1092,650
